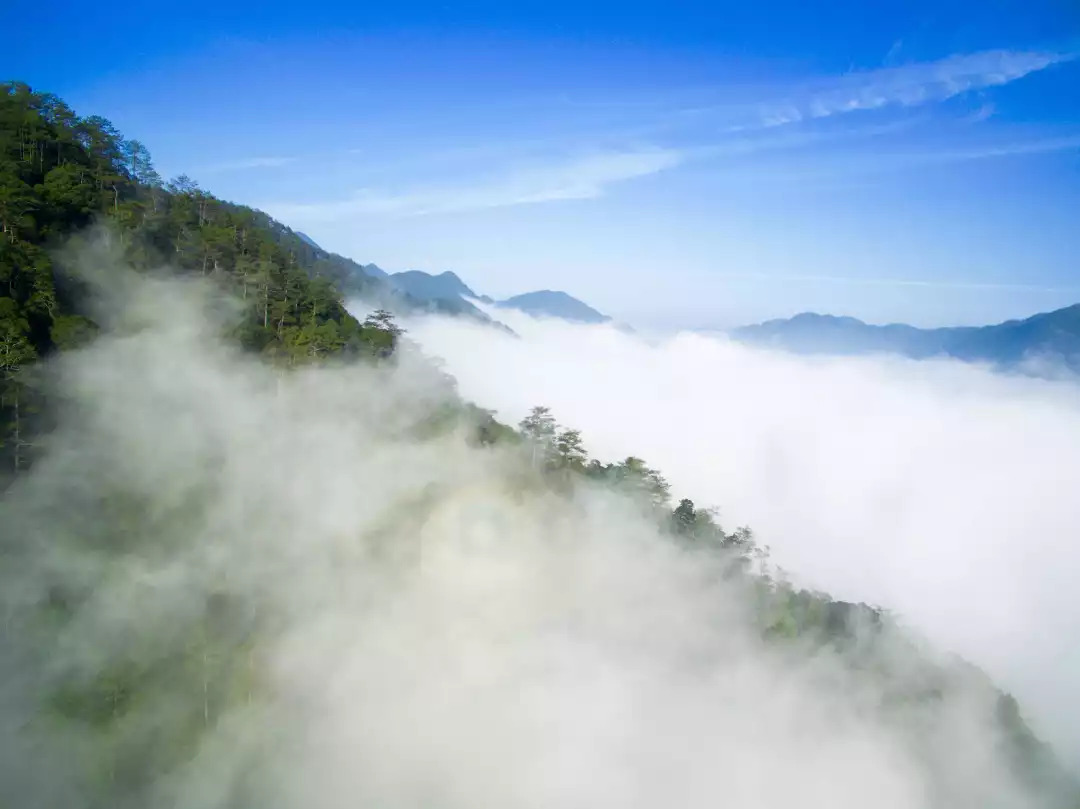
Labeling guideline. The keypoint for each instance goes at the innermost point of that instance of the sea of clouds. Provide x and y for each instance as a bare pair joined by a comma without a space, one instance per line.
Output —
404,619
941,491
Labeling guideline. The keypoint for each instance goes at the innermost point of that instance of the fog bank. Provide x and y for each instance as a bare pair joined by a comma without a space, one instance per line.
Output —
228,586
935,489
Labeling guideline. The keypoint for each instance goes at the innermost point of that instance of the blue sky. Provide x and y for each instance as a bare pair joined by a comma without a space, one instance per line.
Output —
670,163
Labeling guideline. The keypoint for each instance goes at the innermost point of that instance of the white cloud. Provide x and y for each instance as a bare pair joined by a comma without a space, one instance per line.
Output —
983,113
575,179
910,85
250,163
942,283
329,610
1062,144
936,489
590,175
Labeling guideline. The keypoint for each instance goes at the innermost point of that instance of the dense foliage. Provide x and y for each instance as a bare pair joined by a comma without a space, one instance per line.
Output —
60,173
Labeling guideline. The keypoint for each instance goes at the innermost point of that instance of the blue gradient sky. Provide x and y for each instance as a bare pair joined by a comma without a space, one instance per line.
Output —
670,163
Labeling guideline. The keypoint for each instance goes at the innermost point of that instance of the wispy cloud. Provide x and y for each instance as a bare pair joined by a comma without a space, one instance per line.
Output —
1007,149
894,52
932,283
683,134
909,85
837,169
983,113
574,179
895,161
250,163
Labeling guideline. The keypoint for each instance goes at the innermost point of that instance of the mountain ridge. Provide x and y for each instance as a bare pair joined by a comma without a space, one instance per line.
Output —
449,293
1010,344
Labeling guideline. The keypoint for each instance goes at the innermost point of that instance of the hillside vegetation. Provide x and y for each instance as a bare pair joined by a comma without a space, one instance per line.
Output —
60,173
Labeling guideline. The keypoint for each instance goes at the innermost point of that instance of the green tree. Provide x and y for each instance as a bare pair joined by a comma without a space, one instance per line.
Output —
570,450
684,517
384,320
15,353
17,201
68,195
635,476
382,333
539,430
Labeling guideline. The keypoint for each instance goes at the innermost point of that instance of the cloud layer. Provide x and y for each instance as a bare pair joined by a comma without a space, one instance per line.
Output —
935,489
287,590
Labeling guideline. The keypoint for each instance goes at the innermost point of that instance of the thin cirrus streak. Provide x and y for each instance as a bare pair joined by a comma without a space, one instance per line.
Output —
905,86
581,178
244,164
902,86
902,282
868,164
911,85
589,175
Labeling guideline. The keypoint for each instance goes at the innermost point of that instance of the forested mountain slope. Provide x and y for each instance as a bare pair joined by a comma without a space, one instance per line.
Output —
60,173
206,524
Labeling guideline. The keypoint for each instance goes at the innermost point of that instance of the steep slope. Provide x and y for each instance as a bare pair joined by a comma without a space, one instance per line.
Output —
61,174
552,303
1049,336
370,270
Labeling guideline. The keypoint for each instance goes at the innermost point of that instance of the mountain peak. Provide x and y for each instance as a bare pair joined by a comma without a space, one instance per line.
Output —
374,270
444,286
554,303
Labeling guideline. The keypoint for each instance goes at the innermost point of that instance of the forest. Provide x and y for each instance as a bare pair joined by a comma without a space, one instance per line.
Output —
60,173
63,177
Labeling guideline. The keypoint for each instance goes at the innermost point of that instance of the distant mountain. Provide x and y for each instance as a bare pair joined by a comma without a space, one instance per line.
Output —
1050,336
445,286
444,293
551,303
448,294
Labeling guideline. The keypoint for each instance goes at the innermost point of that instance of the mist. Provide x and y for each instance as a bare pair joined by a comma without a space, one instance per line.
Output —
228,585
938,490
